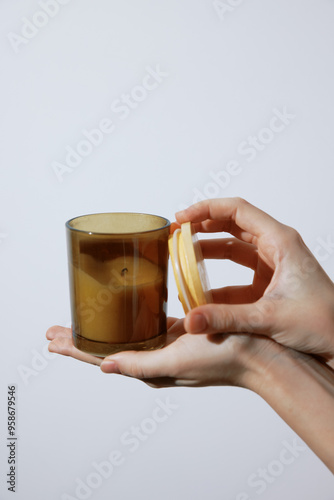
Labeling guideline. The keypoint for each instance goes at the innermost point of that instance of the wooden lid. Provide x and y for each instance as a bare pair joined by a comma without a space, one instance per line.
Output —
189,268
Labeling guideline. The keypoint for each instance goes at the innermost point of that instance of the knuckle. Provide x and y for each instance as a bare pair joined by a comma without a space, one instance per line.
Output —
262,315
282,240
290,236
222,319
240,201
134,369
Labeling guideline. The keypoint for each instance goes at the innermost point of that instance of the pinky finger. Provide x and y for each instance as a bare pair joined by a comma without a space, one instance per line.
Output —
65,347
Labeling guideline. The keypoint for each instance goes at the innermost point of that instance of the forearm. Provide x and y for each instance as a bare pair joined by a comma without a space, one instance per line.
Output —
301,390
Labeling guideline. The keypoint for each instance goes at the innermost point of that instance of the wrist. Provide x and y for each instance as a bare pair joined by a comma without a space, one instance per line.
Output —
259,358
301,391
274,369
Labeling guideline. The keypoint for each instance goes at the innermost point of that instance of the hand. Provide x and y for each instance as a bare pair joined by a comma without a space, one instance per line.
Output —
291,298
298,387
186,360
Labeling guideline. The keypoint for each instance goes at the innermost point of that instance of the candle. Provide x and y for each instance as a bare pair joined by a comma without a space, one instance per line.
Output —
118,281
121,301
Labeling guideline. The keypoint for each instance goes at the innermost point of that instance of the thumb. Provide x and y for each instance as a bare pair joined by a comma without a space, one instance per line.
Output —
140,364
223,318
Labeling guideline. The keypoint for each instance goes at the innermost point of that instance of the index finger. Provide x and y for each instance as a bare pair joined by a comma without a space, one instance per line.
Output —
233,215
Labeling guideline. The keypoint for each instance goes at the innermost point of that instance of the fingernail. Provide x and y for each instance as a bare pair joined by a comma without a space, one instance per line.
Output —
198,323
173,227
109,366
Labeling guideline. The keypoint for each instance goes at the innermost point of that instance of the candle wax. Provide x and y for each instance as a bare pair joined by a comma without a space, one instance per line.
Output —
120,300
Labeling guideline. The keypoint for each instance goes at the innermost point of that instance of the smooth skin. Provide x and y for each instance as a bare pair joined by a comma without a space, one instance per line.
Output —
291,299
274,337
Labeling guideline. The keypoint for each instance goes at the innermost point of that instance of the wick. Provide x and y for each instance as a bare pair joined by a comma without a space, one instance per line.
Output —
124,271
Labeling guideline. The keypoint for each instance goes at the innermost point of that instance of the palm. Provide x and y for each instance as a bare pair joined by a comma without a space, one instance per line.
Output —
186,360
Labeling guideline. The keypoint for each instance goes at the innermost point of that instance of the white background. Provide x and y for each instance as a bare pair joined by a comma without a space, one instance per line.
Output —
226,75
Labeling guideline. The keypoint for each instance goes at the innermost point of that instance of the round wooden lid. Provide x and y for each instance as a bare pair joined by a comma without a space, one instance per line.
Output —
189,268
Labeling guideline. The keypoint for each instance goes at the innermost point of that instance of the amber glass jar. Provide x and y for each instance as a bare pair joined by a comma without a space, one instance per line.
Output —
118,265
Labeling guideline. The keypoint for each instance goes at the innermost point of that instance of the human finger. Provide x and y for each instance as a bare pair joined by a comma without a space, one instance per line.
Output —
257,317
230,249
171,322
173,227
231,210
141,364
244,294
58,331
147,364
64,345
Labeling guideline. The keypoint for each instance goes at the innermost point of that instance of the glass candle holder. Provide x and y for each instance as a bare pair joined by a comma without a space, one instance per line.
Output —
118,265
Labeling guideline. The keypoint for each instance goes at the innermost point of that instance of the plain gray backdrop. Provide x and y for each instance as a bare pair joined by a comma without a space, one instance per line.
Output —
221,72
